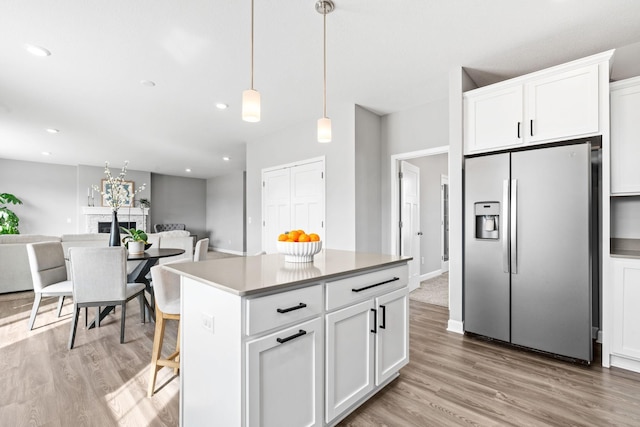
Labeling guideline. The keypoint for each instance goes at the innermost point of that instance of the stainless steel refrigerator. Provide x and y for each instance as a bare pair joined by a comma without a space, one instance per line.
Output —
527,277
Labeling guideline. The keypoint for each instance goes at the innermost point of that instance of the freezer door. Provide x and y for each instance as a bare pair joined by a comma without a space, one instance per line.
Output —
551,288
486,277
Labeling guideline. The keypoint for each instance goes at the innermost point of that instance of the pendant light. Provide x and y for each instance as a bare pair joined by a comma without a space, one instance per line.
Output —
251,97
324,124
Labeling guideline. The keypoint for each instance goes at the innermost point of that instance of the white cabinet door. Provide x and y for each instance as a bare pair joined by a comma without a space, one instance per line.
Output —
563,105
493,120
284,377
626,312
392,341
625,145
349,356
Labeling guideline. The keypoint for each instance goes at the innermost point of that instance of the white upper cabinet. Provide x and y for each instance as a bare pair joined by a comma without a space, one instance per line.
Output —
555,104
493,120
625,144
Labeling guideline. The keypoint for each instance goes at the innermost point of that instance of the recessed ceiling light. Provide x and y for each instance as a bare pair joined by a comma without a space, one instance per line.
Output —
226,158
37,50
148,83
187,170
222,106
52,130
46,153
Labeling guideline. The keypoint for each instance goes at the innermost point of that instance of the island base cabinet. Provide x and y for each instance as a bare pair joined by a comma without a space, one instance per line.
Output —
392,340
349,356
284,372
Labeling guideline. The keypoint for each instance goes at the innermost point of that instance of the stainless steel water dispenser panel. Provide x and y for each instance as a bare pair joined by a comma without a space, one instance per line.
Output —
487,220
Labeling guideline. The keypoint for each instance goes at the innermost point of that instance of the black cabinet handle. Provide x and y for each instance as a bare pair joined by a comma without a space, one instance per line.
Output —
531,127
518,130
292,337
374,285
375,320
384,317
296,307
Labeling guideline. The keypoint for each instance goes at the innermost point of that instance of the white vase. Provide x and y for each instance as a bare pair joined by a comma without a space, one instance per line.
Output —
135,247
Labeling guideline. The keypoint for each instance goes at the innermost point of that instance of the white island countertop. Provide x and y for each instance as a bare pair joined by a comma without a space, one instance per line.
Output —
263,273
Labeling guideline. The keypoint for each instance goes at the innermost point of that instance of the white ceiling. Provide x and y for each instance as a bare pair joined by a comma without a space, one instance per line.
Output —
385,55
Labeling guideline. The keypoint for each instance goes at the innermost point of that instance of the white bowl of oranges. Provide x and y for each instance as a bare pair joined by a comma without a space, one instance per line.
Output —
298,246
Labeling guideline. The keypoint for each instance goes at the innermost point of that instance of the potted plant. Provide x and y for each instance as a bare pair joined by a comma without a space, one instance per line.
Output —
8,219
135,240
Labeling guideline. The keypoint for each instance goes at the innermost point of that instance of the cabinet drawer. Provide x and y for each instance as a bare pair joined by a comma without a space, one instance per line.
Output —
358,288
282,309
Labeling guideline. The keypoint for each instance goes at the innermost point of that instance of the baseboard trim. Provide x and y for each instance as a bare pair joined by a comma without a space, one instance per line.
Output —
228,251
455,326
430,275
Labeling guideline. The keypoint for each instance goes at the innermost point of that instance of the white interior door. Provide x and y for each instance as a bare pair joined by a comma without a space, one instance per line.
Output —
293,197
410,219
444,223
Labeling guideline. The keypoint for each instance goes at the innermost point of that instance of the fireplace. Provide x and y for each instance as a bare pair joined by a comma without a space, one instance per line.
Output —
98,218
105,227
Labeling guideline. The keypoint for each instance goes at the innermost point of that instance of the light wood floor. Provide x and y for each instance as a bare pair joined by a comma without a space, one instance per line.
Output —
451,380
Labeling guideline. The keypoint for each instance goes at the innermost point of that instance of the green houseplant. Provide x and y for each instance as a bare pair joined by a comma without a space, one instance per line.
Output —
8,219
135,240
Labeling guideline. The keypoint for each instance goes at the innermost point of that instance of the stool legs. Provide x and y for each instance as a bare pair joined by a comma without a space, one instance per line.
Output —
157,362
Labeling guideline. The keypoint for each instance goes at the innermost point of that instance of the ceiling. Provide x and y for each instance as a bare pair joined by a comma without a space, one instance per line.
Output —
386,56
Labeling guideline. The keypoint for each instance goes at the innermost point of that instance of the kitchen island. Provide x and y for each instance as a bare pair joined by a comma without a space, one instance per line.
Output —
266,342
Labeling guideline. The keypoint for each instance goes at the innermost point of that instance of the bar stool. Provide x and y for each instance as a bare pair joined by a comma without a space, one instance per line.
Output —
167,293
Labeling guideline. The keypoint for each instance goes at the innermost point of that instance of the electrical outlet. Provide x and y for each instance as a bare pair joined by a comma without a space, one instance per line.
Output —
207,322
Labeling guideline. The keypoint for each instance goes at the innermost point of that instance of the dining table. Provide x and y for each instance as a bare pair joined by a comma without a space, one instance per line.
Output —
139,274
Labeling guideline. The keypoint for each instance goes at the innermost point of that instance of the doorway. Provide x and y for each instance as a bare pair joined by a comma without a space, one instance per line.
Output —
433,223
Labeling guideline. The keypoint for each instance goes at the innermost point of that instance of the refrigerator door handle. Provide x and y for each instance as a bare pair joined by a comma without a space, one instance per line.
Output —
505,226
513,222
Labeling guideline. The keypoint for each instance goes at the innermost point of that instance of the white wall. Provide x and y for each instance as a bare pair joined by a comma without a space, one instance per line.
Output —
416,129
48,193
226,212
431,170
625,217
367,176
299,143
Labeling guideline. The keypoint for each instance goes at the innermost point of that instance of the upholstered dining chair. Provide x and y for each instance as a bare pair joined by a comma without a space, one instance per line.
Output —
99,277
202,247
49,274
167,293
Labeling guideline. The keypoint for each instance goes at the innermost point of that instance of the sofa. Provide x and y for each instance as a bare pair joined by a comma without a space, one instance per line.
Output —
15,274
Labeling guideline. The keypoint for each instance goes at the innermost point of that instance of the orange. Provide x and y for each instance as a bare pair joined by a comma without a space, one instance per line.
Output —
313,237
290,240
304,238
282,238
293,235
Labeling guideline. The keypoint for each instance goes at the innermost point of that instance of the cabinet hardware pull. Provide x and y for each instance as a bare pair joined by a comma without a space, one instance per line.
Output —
531,127
292,337
384,317
375,320
374,285
297,307
518,127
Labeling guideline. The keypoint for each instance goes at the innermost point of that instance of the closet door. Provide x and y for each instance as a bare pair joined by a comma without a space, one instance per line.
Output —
292,198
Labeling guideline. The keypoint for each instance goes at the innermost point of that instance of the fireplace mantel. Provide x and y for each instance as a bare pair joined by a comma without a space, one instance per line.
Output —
106,210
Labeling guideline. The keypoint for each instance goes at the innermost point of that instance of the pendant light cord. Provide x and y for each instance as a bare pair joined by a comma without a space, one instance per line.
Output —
324,49
251,44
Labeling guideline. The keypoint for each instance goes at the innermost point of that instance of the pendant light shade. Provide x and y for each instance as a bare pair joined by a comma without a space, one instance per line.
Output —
324,129
251,105
251,97
324,124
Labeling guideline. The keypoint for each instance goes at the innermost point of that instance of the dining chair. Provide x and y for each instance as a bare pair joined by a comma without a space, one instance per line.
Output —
49,274
99,277
167,293
202,247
